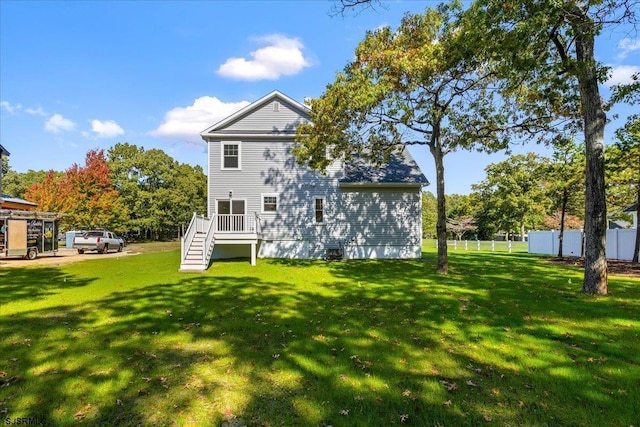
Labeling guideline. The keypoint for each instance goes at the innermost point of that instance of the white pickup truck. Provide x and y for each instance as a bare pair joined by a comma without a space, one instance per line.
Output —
97,240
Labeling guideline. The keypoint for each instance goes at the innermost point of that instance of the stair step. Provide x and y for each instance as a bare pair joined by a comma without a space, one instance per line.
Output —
199,268
192,262
193,259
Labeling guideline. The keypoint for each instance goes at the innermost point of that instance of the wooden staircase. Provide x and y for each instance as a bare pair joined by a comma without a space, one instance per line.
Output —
197,244
203,233
194,259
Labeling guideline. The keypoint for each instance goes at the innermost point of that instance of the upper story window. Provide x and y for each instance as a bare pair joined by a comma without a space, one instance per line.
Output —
269,203
230,155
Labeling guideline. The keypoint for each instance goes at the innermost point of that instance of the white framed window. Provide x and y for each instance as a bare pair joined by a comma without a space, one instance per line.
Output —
269,203
318,209
230,154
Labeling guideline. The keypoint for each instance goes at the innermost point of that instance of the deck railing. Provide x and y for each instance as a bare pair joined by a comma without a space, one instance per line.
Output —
234,223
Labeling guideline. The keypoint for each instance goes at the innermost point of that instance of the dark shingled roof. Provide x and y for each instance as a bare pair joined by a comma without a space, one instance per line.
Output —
632,208
3,151
401,169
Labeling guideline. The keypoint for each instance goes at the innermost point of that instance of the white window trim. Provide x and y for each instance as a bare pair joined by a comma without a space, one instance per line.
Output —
262,196
324,210
239,144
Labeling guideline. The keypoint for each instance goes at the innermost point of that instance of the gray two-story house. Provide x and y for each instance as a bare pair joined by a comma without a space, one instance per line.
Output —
263,204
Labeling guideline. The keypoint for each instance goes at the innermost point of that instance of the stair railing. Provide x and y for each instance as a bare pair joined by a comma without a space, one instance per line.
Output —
188,237
209,239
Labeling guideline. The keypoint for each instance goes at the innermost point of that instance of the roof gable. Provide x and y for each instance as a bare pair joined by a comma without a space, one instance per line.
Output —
3,151
274,113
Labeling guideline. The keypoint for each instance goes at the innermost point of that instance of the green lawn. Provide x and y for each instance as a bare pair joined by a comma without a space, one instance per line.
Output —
504,339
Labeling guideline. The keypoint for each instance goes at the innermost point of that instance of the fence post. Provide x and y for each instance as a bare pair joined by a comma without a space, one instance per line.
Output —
455,244
465,245
493,245
478,245
509,246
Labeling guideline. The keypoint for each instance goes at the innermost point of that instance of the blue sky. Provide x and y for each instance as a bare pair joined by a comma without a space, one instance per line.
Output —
76,76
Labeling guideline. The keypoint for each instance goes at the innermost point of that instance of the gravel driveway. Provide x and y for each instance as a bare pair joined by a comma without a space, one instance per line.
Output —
64,256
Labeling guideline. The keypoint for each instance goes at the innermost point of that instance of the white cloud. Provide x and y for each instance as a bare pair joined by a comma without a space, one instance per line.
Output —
627,46
621,74
11,109
106,129
57,124
37,112
188,122
282,56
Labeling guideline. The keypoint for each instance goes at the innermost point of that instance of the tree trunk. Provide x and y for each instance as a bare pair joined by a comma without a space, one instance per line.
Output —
595,260
522,231
563,212
441,222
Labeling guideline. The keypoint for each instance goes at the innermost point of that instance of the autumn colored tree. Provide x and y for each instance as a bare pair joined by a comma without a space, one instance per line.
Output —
96,203
16,183
160,193
47,193
84,194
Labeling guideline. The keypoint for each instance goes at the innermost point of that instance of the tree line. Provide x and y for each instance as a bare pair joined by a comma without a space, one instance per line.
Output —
143,193
534,192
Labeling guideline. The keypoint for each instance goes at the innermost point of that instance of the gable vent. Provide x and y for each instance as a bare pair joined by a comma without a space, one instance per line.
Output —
276,106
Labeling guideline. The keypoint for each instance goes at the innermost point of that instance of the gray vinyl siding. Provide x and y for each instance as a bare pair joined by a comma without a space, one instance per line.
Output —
286,119
269,167
379,217
375,217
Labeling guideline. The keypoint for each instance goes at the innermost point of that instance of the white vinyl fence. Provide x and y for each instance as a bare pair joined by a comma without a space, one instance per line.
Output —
620,243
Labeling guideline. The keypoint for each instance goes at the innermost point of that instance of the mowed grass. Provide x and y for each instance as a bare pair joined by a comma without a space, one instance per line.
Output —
504,339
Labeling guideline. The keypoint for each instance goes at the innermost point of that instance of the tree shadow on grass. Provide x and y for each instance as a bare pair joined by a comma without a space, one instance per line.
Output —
26,285
379,343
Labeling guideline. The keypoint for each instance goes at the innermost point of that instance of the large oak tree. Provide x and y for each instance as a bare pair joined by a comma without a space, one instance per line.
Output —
424,83
546,51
